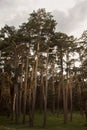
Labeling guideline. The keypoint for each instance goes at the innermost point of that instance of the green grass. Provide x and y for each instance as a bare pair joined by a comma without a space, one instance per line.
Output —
53,123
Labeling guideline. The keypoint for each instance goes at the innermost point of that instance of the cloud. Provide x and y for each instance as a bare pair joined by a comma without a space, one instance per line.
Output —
74,18
70,15
14,12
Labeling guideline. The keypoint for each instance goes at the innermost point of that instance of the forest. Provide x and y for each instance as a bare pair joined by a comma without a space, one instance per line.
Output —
43,76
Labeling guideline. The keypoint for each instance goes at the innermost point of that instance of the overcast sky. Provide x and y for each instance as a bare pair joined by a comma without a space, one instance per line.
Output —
71,15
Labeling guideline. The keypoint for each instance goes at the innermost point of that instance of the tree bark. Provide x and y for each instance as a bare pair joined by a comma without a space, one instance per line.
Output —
20,89
25,89
30,97
53,90
35,88
45,92
70,85
67,84
16,86
63,86
58,99
41,92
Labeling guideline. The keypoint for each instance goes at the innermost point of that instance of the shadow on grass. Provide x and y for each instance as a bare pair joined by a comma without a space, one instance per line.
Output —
53,123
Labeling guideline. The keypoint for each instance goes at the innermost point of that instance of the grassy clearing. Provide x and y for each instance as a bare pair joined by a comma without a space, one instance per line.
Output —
53,123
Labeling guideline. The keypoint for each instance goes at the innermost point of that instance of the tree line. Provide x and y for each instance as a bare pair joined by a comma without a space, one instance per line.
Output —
38,70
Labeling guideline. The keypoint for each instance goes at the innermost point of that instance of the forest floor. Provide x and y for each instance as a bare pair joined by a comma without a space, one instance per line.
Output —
53,123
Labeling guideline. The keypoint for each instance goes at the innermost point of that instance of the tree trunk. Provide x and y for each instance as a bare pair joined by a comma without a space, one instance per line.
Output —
64,100
53,90
58,99
70,85
20,89
45,92
16,116
30,96
13,104
67,83
16,85
41,92
25,90
34,89
63,86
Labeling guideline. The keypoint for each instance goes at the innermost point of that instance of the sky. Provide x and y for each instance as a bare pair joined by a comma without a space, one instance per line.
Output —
71,15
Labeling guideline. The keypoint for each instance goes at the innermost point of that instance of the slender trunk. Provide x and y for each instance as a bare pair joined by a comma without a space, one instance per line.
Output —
20,97
16,116
64,100
30,96
66,89
13,105
16,86
45,92
25,90
53,90
63,86
41,92
20,91
70,85
35,88
58,105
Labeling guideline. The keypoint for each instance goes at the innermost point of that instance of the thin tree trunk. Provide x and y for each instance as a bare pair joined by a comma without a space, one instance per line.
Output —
30,96
41,92
63,86
45,92
25,90
64,100
35,88
53,90
70,85
66,89
16,86
13,105
16,116
58,105
20,91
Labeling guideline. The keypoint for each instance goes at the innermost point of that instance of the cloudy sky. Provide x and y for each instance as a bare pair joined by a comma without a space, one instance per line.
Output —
71,15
